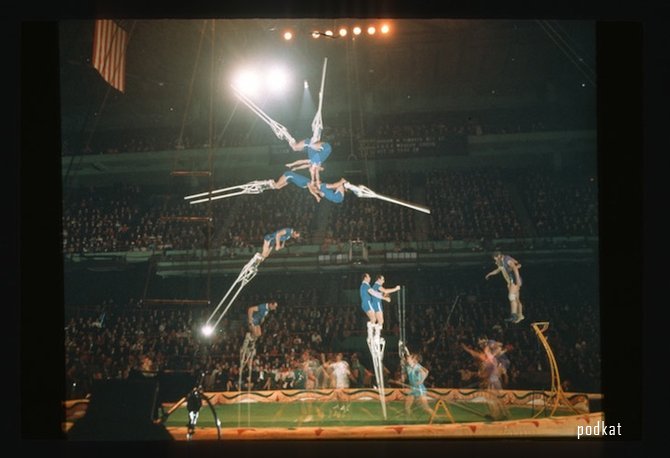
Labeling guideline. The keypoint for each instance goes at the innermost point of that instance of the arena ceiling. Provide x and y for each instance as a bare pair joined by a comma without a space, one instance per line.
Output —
421,65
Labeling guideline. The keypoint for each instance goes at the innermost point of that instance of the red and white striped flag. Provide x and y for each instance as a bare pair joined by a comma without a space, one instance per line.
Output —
109,52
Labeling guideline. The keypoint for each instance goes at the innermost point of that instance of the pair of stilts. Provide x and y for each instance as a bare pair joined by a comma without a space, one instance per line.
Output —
377,344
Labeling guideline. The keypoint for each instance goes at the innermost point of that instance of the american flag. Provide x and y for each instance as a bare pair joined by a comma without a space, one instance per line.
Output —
109,52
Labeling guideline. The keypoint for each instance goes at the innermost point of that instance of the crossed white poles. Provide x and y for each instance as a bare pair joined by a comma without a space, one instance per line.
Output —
253,187
248,272
259,186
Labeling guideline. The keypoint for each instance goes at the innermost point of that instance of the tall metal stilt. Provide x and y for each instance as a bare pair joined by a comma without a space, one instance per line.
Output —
247,273
247,355
376,344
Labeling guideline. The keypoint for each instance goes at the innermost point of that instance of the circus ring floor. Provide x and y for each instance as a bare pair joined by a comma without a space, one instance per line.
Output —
317,415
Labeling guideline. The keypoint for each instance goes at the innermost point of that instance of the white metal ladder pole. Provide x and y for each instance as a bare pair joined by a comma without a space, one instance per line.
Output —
380,356
248,272
253,187
280,131
376,345
403,350
367,193
317,123
247,355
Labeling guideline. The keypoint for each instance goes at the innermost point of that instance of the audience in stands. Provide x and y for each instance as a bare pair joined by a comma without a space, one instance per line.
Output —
112,339
472,206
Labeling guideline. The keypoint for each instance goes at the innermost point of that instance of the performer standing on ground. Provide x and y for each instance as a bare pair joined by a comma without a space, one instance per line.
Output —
377,302
310,367
490,371
256,314
368,306
193,405
416,375
509,267
277,240
360,374
340,375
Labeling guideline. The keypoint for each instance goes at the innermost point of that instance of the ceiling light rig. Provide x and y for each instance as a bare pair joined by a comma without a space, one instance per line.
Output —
343,32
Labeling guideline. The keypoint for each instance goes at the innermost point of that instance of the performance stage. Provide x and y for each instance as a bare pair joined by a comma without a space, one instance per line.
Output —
357,414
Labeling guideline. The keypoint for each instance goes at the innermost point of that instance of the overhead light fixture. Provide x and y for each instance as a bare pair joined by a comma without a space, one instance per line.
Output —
357,30
277,80
343,32
371,30
247,82
385,28
288,35
329,33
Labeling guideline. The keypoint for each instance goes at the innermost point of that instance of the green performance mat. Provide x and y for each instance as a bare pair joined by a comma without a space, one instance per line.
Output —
355,413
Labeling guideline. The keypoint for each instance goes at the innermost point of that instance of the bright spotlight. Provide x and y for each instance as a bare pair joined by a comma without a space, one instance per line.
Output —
343,32
357,30
247,82
315,34
288,35
329,33
276,80
371,30
207,330
306,85
385,28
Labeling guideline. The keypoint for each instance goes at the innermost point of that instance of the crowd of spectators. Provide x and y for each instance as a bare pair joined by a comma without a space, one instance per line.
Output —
256,216
468,204
111,340
471,205
477,314
561,204
393,135
375,221
126,218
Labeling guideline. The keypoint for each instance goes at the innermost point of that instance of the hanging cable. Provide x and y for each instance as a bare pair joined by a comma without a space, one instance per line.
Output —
190,92
360,109
210,209
575,45
566,49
